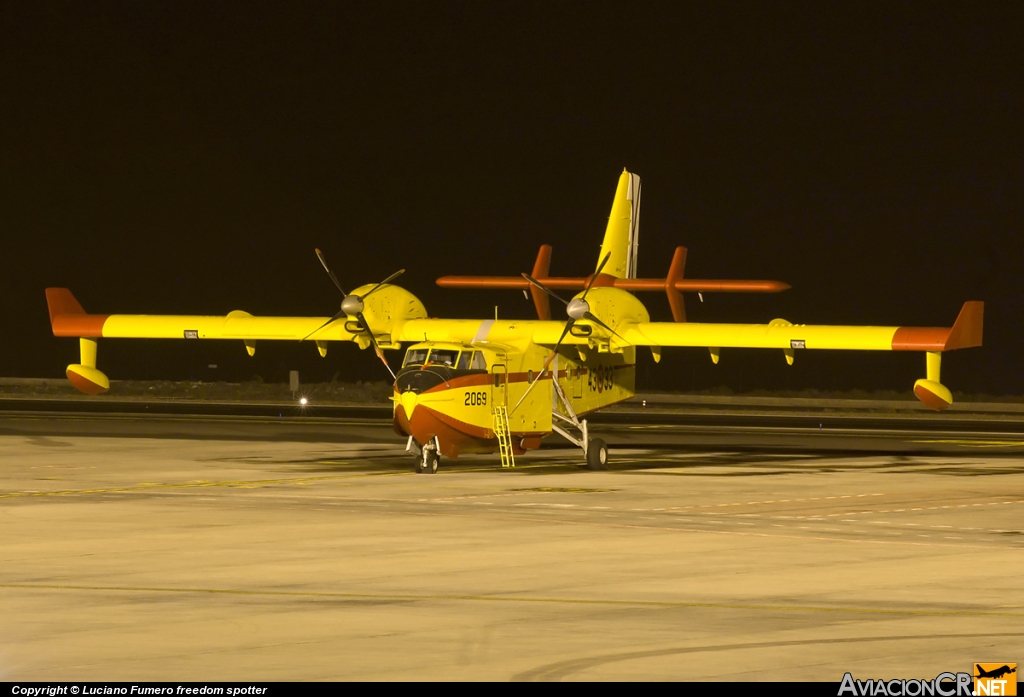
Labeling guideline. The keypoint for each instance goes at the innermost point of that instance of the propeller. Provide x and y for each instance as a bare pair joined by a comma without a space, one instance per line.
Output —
352,305
577,309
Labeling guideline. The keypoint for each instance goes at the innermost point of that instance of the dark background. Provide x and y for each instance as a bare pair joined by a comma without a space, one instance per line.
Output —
187,157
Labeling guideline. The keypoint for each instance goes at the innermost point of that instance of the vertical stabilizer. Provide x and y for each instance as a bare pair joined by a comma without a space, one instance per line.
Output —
621,237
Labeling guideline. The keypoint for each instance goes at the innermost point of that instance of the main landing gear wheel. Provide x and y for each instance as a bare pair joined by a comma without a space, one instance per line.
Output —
428,461
597,454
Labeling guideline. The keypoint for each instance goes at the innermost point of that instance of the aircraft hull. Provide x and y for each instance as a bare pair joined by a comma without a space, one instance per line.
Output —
455,436
459,412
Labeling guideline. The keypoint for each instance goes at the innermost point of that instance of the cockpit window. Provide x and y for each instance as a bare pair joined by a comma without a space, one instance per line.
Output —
472,360
415,357
444,357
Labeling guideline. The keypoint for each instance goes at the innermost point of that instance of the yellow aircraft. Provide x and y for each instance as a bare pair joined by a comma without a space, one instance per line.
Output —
472,385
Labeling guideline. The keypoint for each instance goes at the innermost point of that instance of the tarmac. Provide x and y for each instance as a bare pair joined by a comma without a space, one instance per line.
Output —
176,548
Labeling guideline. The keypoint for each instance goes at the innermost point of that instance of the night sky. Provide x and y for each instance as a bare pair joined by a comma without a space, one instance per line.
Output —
187,158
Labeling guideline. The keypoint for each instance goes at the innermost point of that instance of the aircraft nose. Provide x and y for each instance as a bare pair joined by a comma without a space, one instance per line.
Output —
409,402
418,381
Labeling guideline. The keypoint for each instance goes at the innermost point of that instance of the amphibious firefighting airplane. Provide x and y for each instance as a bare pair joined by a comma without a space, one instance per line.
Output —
486,385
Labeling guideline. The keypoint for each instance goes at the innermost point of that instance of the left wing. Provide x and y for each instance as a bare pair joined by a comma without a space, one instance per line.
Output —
966,332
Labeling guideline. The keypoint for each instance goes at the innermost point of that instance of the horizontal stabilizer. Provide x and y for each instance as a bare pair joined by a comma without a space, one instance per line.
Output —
673,284
687,285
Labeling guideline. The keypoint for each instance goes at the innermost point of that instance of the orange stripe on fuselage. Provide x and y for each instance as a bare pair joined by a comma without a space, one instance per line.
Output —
464,381
487,379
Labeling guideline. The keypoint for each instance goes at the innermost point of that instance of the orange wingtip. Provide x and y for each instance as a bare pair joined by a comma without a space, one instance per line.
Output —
68,318
61,301
968,329
966,332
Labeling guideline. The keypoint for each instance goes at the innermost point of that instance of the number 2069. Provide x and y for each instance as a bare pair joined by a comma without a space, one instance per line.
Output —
475,399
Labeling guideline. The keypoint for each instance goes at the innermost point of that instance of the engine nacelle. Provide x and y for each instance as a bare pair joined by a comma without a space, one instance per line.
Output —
385,310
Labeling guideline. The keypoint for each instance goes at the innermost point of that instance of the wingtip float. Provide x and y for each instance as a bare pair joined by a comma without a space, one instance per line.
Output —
484,385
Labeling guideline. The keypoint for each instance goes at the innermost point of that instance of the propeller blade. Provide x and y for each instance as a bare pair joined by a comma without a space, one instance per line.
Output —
547,364
593,318
376,346
544,288
323,262
600,268
387,280
568,325
341,313
359,315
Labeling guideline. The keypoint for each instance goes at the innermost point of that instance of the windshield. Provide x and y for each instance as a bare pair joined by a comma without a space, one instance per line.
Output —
415,357
446,357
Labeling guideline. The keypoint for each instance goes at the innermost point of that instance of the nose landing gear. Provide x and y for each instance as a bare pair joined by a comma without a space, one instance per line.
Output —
428,456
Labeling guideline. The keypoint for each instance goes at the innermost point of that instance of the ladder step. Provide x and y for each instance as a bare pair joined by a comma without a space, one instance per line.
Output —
501,433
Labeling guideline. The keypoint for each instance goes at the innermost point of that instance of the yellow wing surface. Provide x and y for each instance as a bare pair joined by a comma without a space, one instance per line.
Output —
68,319
230,327
966,332
384,310
398,317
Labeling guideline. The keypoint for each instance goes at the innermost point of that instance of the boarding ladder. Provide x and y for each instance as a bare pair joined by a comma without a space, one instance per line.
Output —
501,432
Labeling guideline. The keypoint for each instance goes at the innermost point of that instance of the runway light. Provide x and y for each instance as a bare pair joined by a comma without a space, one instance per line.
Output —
303,401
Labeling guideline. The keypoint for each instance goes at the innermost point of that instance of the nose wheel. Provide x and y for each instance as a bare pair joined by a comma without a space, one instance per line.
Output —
428,459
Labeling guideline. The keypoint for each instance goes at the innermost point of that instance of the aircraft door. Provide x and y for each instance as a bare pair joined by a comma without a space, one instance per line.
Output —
499,387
